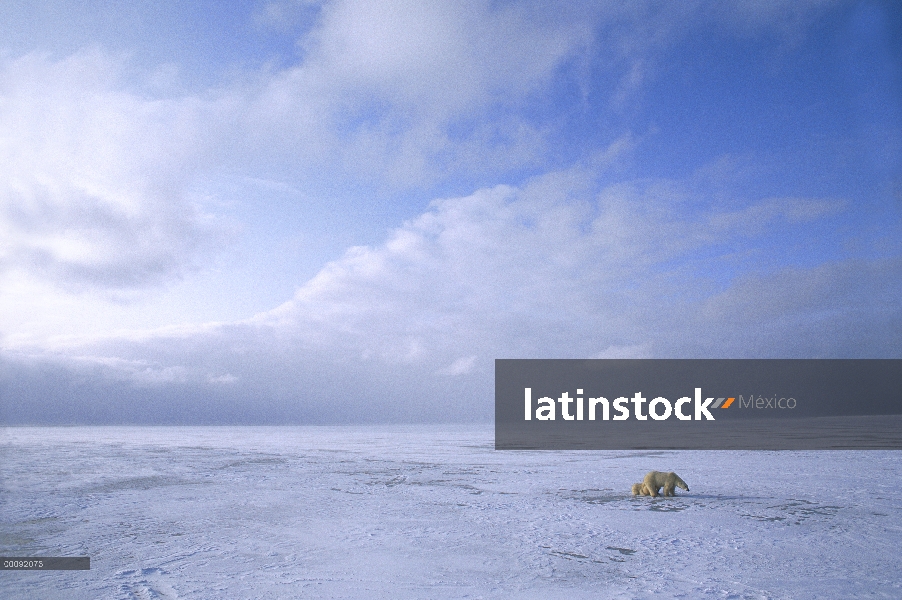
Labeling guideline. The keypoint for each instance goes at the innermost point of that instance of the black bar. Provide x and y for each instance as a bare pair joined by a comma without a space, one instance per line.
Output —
45,563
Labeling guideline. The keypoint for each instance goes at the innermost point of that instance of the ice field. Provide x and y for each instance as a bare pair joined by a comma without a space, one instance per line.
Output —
435,512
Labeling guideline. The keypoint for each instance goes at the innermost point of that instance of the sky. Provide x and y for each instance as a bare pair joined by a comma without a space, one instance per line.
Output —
297,211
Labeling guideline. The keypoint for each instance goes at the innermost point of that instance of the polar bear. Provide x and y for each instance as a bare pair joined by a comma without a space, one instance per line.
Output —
655,480
639,489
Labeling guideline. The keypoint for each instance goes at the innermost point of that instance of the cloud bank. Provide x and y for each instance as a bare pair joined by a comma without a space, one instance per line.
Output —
558,268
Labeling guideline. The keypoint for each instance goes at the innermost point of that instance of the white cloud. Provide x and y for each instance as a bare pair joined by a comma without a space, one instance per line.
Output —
461,366
442,57
94,181
407,93
551,269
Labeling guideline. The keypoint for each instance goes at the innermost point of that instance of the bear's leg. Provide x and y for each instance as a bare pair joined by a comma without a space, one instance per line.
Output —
668,489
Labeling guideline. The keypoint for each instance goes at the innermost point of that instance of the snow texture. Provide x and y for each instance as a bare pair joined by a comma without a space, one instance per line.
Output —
435,512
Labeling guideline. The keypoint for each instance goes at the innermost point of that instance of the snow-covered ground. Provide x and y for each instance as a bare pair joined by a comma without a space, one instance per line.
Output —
435,512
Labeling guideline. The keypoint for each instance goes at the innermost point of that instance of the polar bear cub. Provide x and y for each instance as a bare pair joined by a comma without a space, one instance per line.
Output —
655,480
639,489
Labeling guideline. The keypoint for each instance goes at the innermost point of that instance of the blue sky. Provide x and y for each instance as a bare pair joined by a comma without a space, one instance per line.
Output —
301,211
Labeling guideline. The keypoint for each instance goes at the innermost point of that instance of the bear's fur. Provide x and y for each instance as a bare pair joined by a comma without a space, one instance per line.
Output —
639,489
655,480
